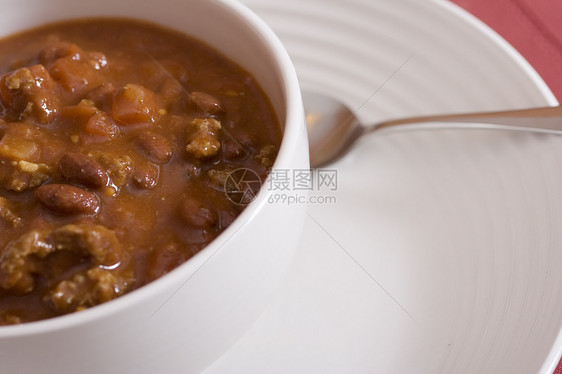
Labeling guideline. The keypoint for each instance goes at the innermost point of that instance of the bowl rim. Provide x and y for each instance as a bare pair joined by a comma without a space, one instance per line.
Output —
292,131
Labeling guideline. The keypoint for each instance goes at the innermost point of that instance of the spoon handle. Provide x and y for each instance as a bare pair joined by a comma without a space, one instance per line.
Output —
546,119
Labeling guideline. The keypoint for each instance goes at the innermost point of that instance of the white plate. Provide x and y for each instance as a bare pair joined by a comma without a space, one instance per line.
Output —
443,252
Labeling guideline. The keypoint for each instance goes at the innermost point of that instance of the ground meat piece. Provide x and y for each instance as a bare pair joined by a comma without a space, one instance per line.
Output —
107,284
204,140
19,260
29,92
66,294
94,240
16,265
118,168
7,214
266,156
9,319
22,175
86,289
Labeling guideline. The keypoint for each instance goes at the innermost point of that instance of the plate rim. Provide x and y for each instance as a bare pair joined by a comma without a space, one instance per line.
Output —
555,354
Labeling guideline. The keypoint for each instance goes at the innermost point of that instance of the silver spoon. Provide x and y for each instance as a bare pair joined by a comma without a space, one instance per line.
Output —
333,128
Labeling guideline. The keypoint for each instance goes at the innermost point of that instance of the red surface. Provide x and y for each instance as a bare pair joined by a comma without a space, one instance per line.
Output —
534,28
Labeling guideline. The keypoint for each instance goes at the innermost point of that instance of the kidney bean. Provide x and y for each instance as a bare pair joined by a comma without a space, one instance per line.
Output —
163,259
206,102
146,176
156,147
227,216
83,169
67,199
195,214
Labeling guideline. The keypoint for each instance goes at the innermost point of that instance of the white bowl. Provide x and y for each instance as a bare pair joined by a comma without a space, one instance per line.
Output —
185,320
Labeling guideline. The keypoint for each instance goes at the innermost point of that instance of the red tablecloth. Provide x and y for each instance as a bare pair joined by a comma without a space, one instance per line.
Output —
534,28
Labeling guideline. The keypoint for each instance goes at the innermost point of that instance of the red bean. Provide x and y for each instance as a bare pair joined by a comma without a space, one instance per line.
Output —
146,176
195,214
156,147
83,169
206,102
67,199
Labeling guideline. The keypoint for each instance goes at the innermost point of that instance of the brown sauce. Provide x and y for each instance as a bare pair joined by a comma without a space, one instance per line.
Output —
116,139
